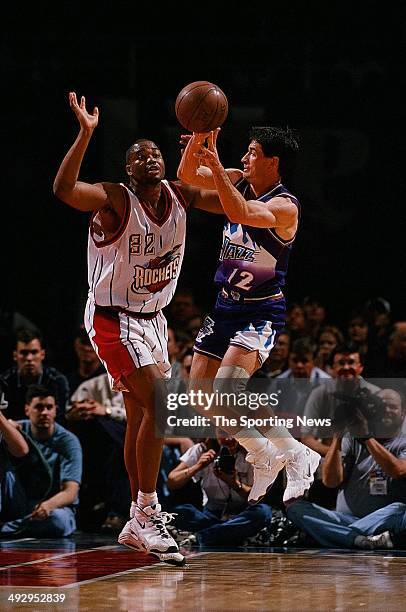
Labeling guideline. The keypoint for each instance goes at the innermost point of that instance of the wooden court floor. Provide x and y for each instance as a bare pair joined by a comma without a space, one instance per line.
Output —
94,573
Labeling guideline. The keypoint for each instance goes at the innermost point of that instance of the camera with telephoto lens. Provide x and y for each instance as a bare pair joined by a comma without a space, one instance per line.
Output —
370,405
225,461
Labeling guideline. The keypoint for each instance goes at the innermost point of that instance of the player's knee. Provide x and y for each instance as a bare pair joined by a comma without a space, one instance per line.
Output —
231,379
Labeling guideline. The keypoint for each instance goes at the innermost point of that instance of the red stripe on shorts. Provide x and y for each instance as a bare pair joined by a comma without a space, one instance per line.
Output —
112,351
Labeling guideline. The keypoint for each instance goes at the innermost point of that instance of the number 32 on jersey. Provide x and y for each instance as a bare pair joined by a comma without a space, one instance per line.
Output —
139,246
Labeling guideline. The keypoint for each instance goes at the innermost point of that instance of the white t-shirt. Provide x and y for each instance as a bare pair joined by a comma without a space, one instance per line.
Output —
216,493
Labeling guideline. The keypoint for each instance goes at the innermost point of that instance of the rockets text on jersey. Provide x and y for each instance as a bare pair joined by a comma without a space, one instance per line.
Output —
138,268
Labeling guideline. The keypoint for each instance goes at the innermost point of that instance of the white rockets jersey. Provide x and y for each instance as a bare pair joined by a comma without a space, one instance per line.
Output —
138,268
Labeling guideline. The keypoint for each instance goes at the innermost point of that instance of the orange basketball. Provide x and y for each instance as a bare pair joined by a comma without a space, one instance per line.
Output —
201,107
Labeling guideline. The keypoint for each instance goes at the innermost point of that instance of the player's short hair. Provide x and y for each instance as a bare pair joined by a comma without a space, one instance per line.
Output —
277,142
38,391
137,142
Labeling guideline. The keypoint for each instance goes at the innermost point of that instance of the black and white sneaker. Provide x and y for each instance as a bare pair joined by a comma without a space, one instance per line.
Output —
147,531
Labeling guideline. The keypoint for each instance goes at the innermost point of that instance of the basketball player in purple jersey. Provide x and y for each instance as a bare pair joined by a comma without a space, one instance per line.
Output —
135,251
236,338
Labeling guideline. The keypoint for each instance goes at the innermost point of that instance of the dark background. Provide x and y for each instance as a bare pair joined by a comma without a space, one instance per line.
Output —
335,73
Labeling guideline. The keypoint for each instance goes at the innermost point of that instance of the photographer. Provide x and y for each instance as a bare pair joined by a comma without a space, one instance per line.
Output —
371,474
327,401
226,479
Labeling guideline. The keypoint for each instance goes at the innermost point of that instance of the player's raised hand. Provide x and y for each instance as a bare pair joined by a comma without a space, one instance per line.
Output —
88,121
213,139
208,155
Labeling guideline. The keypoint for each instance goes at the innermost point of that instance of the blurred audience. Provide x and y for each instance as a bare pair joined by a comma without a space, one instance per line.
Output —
358,333
315,313
296,321
88,365
182,309
212,500
395,366
39,489
327,340
277,361
301,362
29,368
97,416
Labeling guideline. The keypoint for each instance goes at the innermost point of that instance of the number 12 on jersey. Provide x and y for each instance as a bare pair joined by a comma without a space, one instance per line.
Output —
244,279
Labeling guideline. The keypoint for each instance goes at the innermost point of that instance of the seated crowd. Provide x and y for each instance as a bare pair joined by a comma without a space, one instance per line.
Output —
62,440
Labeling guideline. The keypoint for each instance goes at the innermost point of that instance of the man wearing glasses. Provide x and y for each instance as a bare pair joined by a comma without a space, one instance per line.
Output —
327,399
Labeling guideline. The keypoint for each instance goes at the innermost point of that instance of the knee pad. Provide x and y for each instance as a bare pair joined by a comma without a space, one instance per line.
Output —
231,379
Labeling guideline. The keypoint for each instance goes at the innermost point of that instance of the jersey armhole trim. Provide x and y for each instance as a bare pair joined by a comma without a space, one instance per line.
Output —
273,231
123,224
178,193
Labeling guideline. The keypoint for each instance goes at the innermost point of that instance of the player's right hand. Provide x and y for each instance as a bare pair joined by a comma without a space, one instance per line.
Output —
88,121
206,458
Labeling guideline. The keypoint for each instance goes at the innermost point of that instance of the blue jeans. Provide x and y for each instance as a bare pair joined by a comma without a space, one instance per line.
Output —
336,529
211,531
15,506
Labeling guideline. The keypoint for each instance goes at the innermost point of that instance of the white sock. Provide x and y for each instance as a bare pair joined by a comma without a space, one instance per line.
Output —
147,499
281,438
252,444
133,507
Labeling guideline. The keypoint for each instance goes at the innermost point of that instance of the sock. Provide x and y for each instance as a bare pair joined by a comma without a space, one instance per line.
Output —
281,438
132,509
252,444
147,499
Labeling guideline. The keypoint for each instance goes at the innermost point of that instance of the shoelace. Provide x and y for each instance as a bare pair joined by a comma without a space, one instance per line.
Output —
297,472
160,520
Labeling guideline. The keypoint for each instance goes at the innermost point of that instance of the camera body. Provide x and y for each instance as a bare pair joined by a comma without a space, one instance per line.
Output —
224,461
370,405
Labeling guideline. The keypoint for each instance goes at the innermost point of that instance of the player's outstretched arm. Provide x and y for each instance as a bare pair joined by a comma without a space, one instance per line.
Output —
190,170
279,212
67,188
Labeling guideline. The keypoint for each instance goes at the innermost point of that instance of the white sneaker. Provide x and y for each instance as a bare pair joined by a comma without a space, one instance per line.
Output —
382,540
301,465
172,558
147,531
267,464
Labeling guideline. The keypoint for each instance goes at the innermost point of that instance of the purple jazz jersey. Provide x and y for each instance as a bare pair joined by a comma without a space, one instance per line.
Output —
253,261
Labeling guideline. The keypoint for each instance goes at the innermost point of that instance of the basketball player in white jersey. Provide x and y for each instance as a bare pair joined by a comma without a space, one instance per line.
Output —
135,252
262,218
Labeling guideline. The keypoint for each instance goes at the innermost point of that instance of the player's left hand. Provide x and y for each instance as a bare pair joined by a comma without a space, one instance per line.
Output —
208,155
